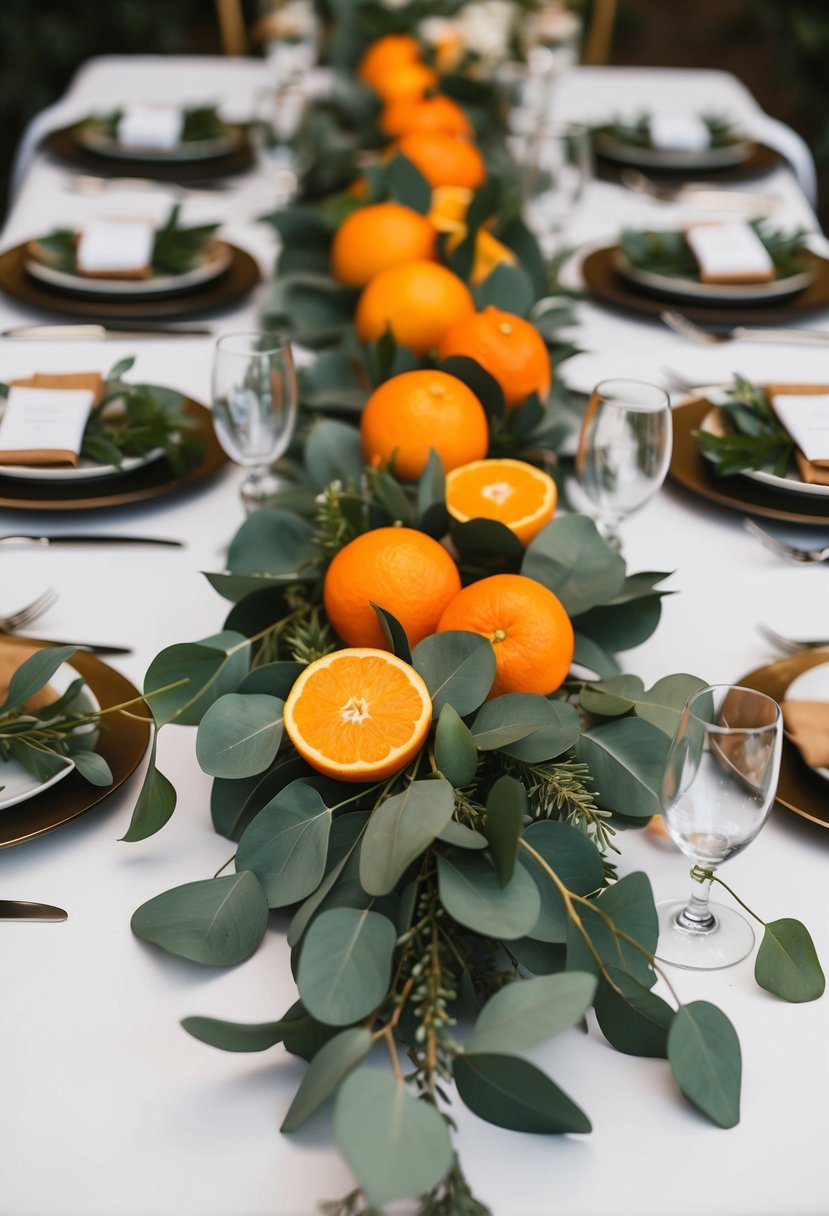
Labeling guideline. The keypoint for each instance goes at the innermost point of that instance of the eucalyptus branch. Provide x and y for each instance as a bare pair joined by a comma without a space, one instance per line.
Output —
705,874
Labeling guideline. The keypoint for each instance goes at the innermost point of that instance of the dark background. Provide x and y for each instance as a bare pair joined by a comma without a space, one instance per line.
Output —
779,48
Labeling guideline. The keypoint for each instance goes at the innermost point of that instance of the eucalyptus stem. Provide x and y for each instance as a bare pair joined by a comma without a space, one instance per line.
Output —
704,874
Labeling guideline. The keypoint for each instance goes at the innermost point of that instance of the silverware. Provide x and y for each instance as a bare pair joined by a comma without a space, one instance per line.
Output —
72,538
101,332
688,329
704,195
790,645
89,647
29,612
25,909
782,549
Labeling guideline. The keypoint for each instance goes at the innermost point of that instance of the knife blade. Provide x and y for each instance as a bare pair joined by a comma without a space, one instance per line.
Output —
89,647
24,909
74,538
101,332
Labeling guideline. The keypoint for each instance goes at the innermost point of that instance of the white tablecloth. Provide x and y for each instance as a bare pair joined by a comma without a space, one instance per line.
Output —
110,1108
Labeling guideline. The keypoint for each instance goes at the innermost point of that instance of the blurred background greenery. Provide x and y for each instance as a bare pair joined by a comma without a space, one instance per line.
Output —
779,48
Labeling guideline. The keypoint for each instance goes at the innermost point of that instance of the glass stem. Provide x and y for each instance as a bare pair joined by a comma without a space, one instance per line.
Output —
697,917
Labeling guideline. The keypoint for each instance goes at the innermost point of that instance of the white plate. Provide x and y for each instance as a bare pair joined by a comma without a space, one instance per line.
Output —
791,484
214,261
812,685
669,158
675,287
188,150
18,783
86,470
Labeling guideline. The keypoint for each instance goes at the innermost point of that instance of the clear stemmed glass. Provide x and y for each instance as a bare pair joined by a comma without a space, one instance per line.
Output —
554,163
718,786
624,449
279,112
254,399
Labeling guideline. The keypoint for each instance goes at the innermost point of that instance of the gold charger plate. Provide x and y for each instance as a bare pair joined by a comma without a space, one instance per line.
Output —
122,743
153,480
607,286
240,278
65,145
800,789
690,469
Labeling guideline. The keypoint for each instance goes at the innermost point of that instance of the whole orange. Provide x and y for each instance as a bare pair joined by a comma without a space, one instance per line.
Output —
527,625
418,301
436,113
416,411
443,159
510,348
401,570
379,236
405,80
385,54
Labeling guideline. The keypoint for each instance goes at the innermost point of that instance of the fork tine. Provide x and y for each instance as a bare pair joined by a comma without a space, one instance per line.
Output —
30,612
780,547
789,645
687,329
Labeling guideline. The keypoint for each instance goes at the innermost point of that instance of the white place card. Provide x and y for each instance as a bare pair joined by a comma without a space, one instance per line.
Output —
143,126
806,417
107,246
729,253
679,132
45,418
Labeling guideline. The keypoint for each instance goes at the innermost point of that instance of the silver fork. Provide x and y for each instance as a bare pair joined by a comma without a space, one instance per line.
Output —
790,645
29,612
792,552
681,324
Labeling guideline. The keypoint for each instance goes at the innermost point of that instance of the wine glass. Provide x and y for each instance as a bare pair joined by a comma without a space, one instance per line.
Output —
279,112
254,399
551,35
554,164
624,449
718,786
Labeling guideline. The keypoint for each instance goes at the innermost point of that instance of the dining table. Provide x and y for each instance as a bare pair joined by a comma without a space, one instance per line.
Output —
110,1108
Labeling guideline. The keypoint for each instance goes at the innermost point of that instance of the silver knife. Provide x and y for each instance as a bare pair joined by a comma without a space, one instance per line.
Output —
89,647
72,538
24,909
63,332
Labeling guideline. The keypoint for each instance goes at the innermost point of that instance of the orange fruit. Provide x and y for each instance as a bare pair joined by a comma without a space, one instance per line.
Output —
416,411
510,348
385,54
358,715
409,80
530,631
449,207
401,570
437,113
443,159
489,253
513,492
379,236
419,301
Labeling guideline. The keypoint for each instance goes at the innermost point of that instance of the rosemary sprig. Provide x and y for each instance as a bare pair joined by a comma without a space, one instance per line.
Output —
755,439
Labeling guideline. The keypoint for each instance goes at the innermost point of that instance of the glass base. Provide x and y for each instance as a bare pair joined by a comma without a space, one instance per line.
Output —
259,489
728,941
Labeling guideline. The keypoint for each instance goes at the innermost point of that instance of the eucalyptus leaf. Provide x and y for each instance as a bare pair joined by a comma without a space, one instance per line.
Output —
539,958
626,759
613,697
482,383
626,908
590,654
507,287
622,626
285,846
273,679
455,752
333,453
218,921
457,667
399,829
704,1054
528,1012
462,837
487,541
787,963
33,674
472,894
235,802
507,805
570,558
239,735
631,1017
92,767
396,1145
345,965
512,1093
272,542
240,1036
329,1067
155,804
209,668
526,726
394,633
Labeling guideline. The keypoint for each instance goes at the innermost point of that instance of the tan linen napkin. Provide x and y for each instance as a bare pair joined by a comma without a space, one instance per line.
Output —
807,725
816,472
68,380
12,654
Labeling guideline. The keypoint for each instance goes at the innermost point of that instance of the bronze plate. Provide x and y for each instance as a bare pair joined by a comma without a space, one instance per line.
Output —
800,789
65,146
122,743
153,480
237,281
690,469
761,161
608,287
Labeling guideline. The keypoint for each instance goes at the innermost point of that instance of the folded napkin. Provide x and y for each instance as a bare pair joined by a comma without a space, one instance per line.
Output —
729,253
150,126
679,133
115,249
807,725
12,654
814,471
59,407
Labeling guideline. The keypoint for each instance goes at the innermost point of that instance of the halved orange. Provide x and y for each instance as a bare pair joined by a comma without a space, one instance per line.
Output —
358,714
513,492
